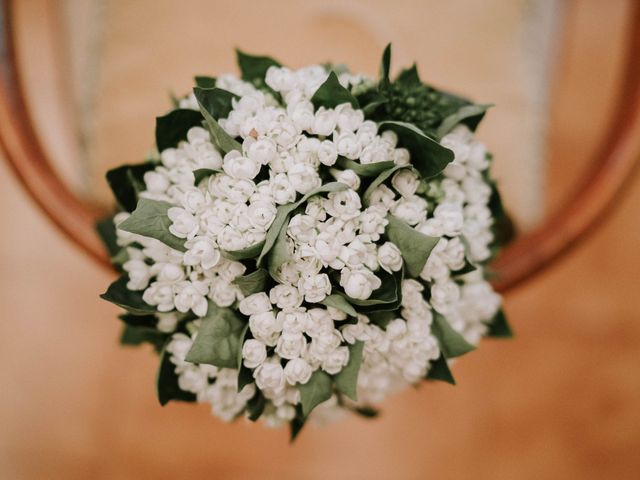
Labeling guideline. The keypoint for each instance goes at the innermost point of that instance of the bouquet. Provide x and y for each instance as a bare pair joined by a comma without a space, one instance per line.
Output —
304,243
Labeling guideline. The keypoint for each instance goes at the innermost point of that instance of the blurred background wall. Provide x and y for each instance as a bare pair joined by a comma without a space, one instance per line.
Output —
559,401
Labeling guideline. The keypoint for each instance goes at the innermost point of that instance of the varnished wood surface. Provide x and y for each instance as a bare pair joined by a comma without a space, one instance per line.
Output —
559,401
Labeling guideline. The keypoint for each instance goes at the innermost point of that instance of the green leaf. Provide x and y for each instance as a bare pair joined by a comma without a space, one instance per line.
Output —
126,181
107,232
282,216
130,300
279,254
173,127
371,101
218,339
414,246
202,173
245,377
150,219
242,337
439,370
452,344
366,411
503,228
365,170
296,424
222,139
385,67
347,379
204,81
254,68
245,374
120,258
148,321
253,282
134,336
379,180
469,115
315,391
255,406
331,94
427,155
250,252
339,302
167,382
381,319
217,101
467,268
499,326
284,211
409,77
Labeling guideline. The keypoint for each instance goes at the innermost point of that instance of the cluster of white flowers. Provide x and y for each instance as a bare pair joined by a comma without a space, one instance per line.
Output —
334,241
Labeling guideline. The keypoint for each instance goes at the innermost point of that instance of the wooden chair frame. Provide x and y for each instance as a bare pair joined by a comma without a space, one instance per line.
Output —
528,255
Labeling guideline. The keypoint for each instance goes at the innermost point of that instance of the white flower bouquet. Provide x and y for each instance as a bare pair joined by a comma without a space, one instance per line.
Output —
306,242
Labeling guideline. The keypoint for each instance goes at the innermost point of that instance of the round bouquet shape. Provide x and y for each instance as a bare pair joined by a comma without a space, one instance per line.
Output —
304,243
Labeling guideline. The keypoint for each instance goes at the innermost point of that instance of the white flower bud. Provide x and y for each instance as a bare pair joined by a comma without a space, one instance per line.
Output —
254,353
237,166
167,322
223,293
285,296
315,288
347,145
269,375
297,371
325,122
349,119
344,205
401,156
265,327
255,303
184,225
327,153
293,320
336,360
191,296
282,190
383,196
304,178
348,177
412,210
192,380
302,228
261,214
315,209
281,79
139,274
405,182
373,221
192,199
201,251
156,181
451,217
179,346
231,239
261,151
389,257
359,284
291,345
